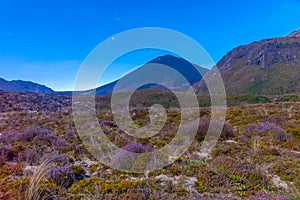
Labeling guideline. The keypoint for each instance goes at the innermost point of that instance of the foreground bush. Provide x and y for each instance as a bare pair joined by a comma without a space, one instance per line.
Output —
7,154
274,119
204,125
124,160
261,129
61,175
96,188
29,156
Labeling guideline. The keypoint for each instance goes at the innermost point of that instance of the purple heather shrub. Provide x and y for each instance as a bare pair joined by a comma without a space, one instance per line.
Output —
266,196
47,135
55,157
137,148
32,135
62,176
274,119
70,133
10,137
123,160
261,129
28,135
204,125
43,134
30,156
7,154
108,123
58,143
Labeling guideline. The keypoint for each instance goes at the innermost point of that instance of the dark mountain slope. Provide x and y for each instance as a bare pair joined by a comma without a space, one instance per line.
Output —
182,66
24,86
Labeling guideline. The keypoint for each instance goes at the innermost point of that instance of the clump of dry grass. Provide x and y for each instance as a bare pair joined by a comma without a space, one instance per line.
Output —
36,189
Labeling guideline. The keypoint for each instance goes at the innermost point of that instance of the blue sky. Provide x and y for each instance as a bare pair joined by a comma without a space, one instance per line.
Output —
46,41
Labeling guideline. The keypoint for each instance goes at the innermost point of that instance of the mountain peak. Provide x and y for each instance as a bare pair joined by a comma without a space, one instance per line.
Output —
184,67
188,70
164,58
294,34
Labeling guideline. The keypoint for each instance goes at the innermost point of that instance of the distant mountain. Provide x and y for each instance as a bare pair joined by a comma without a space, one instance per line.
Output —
270,66
185,68
100,91
24,86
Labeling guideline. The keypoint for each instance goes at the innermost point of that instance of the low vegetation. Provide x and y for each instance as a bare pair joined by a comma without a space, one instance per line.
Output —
256,157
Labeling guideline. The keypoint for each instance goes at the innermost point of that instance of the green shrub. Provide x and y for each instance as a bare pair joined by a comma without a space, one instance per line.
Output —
248,98
295,132
289,98
94,185
93,168
78,171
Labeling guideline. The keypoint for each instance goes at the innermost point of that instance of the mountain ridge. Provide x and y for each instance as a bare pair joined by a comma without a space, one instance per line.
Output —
188,70
267,67
24,86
